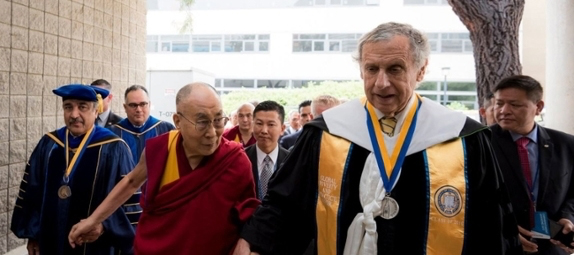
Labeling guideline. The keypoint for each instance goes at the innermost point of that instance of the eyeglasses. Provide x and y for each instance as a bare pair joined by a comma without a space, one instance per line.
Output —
202,125
135,105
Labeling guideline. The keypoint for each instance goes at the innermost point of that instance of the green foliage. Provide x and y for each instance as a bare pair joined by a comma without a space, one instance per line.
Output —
186,26
457,106
291,97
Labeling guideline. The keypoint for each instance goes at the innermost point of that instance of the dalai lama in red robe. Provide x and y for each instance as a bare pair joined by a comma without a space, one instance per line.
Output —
199,188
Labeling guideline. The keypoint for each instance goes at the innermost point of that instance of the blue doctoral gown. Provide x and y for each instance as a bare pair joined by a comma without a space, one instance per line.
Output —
40,214
135,137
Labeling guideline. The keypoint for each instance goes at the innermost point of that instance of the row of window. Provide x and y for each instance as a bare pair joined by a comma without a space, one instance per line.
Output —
174,5
254,83
207,43
439,42
325,42
449,42
462,92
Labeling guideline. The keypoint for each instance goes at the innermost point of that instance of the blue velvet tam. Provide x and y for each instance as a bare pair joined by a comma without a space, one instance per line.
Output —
81,92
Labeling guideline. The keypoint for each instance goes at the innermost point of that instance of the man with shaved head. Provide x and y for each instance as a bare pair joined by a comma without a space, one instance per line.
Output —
199,187
243,132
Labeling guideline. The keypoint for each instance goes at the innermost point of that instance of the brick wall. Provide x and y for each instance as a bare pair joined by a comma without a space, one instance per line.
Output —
48,43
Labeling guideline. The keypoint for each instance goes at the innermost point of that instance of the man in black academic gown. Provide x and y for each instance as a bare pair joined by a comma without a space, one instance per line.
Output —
69,174
392,173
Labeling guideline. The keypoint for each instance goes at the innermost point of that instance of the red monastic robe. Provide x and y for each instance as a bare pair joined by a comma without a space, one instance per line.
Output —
234,134
202,211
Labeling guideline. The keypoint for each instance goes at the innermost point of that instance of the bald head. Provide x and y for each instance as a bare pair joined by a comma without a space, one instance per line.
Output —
245,117
199,119
246,107
195,91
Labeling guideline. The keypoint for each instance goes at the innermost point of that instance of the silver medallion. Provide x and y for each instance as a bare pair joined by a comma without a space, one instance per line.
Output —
64,192
390,208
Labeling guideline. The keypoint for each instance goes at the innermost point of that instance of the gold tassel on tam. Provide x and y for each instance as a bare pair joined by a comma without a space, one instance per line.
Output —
100,103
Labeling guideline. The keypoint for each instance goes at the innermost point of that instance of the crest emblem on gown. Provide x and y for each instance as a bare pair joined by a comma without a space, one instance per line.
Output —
447,200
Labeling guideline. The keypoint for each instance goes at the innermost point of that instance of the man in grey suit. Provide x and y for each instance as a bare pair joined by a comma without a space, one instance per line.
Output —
536,162
266,155
107,118
293,122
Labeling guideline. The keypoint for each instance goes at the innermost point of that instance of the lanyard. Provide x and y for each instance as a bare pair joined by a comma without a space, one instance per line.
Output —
71,166
531,188
390,165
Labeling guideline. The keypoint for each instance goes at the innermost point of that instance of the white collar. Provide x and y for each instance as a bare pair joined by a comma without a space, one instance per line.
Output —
261,156
399,116
435,124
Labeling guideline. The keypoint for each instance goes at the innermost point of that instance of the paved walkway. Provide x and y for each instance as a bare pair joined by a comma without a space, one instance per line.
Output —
18,251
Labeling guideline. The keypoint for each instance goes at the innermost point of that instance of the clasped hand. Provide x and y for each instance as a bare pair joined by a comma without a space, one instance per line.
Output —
85,231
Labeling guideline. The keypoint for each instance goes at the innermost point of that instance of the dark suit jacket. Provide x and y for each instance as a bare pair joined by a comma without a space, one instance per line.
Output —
556,167
112,119
252,155
289,140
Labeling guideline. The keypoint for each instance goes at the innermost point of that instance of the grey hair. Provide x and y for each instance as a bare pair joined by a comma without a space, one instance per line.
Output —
418,42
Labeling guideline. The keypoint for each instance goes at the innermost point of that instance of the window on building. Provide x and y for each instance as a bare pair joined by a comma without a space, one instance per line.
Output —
325,42
449,42
303,83
165,46
462,92
428,85
246,43
272,84
206,43
167,43
180,47
433,39
152,43
461,86
218,83
229,83
431,97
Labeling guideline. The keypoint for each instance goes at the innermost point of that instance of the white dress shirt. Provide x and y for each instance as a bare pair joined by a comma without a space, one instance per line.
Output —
261,156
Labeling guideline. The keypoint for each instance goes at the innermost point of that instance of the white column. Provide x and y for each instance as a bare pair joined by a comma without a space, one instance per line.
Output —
533,43
559,88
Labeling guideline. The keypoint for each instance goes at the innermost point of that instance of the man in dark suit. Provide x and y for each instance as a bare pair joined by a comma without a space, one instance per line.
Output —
537,162
305,116
107,118
266,155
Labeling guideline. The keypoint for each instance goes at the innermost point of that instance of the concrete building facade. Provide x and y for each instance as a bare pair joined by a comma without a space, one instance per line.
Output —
251,44
48,43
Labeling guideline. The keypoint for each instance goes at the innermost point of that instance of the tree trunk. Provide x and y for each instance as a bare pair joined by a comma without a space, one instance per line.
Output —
493,27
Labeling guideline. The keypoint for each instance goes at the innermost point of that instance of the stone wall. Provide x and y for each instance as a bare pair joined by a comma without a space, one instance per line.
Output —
48,43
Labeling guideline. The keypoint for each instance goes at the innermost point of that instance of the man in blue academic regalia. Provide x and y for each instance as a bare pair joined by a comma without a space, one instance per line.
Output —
139,125
69,174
